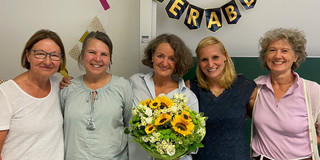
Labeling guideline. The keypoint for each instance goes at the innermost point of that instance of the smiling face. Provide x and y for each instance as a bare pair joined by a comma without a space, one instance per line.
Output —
163,60
280,57
96,58
212,61
44,67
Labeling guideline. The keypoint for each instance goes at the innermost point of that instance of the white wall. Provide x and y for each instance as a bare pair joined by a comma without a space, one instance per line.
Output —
241,39
69,18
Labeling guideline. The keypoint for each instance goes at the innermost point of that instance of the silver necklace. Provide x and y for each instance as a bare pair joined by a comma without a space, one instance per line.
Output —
91,124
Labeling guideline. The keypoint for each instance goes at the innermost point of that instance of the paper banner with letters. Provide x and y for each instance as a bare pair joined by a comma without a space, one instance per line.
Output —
248,4
175,8
230,10
213,19
193,20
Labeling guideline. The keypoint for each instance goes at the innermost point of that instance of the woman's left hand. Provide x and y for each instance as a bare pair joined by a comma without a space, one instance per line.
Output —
318,137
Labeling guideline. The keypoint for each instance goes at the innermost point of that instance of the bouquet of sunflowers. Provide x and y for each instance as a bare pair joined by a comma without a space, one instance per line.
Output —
166,128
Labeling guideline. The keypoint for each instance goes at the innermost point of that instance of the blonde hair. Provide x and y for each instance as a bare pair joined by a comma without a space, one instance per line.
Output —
229,73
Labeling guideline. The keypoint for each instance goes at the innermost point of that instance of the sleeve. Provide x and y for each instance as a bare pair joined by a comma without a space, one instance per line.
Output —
251,86
135,89
127,103
192,101
315,101
5,111
62,96
194,87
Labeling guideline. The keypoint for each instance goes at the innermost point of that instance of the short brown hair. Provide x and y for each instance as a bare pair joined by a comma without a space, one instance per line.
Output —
182,54
35,38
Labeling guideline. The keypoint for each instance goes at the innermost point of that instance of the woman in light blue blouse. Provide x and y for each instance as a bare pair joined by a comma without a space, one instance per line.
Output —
96,106
170,59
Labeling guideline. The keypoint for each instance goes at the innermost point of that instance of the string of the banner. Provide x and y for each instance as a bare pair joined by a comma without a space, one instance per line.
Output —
230,10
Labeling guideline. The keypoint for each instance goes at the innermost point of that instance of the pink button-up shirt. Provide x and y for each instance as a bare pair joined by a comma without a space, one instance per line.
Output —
281,127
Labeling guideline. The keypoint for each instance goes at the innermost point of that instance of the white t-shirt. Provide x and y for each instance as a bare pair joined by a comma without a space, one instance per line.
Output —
35,124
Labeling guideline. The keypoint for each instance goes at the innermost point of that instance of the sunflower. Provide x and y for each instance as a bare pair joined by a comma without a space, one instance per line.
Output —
162,119
145,102
165,102
155,104
186,115
150,128
186,108
182,126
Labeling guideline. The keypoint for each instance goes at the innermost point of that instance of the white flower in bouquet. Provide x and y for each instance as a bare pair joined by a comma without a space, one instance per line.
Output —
171,150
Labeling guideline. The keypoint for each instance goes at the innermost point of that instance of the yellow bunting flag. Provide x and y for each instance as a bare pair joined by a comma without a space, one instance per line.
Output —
64,72
84,36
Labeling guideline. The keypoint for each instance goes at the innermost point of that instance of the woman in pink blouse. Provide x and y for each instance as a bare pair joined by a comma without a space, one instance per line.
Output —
287,106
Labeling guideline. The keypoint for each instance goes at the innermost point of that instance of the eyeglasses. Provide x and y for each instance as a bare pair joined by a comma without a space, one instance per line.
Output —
40,54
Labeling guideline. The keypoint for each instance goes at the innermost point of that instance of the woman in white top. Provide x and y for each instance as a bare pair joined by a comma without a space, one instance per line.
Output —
31,121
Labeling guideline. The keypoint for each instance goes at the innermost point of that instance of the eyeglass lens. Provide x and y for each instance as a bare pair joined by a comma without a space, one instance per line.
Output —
40,54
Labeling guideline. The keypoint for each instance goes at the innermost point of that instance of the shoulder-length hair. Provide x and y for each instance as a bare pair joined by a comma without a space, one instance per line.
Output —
35,38
229,73
182,54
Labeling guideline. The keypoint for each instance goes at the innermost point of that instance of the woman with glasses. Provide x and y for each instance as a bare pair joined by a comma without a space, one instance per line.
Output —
96,105
31,120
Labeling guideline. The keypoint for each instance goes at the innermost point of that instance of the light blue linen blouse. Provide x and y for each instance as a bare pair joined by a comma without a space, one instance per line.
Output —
143,88
111,114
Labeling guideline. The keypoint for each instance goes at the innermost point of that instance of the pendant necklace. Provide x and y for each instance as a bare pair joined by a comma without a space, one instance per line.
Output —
91,124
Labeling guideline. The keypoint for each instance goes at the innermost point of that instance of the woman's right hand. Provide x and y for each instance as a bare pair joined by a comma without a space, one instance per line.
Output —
65,82
3,135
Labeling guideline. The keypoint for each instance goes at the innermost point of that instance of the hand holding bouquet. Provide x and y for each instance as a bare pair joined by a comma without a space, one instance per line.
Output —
167,128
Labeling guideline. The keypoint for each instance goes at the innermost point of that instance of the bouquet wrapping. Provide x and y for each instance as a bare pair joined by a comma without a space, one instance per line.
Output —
166,128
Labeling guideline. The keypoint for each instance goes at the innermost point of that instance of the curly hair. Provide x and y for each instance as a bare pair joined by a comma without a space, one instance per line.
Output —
295,37
229,73
38,36
182,54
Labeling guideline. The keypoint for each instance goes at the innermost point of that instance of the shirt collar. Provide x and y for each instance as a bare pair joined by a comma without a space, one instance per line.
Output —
148,79
266,80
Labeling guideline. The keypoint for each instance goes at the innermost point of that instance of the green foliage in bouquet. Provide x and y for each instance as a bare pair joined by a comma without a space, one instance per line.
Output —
166,128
